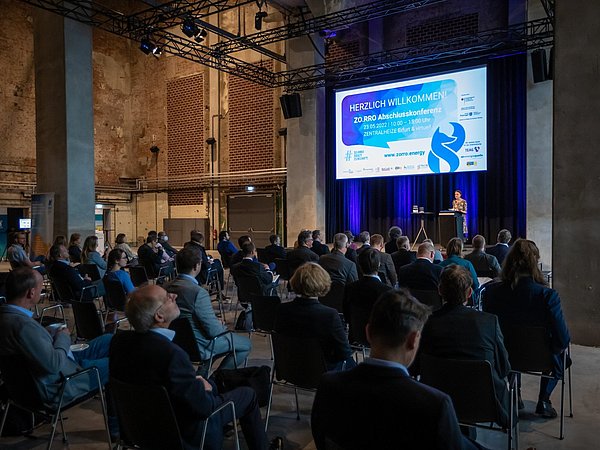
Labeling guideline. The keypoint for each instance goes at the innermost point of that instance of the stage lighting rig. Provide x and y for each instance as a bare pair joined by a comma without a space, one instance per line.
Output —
191,30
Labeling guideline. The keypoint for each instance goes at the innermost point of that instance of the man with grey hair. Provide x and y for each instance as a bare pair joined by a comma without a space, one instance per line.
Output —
403,255
391,245
421,274
501,248
485,265
340,269
148,356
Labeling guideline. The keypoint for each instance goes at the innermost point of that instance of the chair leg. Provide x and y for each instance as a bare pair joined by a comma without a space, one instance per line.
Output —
273,355
297,406
570,395
562,408
4,417
53,432
269,406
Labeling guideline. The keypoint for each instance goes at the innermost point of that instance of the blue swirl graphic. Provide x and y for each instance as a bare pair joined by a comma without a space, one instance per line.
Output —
445,147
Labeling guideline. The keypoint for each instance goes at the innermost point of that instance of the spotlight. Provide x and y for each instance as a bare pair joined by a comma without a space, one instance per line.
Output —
147,46
191,30
201,36
258,19
157,51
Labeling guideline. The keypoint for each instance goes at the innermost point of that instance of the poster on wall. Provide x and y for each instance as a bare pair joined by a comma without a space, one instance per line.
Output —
42,223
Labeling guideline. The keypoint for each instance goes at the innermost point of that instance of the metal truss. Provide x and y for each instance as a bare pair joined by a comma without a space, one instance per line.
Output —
333,21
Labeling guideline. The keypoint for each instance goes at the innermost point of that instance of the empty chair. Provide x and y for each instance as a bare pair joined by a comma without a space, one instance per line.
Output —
264,312
89,321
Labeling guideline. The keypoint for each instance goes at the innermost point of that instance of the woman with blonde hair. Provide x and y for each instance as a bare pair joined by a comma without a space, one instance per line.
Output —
90,255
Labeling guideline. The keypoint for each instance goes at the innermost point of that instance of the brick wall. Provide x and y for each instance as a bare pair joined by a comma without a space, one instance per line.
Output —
340,51
440,29
251,125
185,124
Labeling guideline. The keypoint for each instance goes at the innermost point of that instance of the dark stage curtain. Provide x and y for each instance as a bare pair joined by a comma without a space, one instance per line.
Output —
496,197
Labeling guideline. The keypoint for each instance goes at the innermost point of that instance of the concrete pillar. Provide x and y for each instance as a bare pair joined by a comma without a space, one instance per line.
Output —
65,120
576,183
306,148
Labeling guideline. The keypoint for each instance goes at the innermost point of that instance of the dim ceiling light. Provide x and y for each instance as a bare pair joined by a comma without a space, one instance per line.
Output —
191,30
147,46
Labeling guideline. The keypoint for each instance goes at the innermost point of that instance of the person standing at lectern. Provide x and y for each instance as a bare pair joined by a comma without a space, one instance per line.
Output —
460,204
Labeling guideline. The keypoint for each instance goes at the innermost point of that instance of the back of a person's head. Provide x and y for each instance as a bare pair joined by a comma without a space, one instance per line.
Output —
504,236
454,247
90,243
403,242
316,234
340,241
349,235
60,240
151,239
114,257
141,307
478,242
120,239
196,236
394,316
187,258
273,238
394,232
311,280
377,240
248,248
153,233
425,249
369,261
75,237
522,261
223,235
18,282
455,282
304,236
364,237
243,238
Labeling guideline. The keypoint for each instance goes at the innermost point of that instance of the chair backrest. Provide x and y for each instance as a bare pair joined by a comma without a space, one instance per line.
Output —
184,337
248,286
138,275
146,417
88,320
225,260
430,298
335,297
19,382
115,296
3,277
263,256
469,384
62,290
529,348
264,311
90,270
299,361
283,268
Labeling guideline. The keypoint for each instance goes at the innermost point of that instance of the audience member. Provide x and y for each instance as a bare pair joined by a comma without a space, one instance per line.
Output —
249,268
121,242
500,250
485,265
239,255
361,295
302,253
150,256
62,271
47,351
117,260
458,332
317,246
437,258
391,245
75,248
305,317
351,252
17,256
90,255
454,251
422,274
387,264
403,255
377,405
147,356
522,298
163,240
362,241
340,269
197,241
195,305
226,248
275,250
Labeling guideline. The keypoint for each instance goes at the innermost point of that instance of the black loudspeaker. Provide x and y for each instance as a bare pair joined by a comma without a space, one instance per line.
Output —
291,106
539,66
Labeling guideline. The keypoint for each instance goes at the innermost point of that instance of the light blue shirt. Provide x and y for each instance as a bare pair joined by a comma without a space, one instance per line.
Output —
169,334
373,276
188,277
386,363
21,309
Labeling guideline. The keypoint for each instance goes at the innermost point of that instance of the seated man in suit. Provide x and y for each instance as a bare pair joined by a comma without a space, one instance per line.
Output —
403,256
147,356
163,240
485,265
421,274
387,268
351,252
317,246
501,248
377,405
195,305
249,268
340,269
150,255
47,350
275,250
361,295
362,241
305,317
302,253
62,271
391,245
197,241
458,332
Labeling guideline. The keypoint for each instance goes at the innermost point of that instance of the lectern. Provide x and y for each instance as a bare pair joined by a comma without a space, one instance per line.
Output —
450,225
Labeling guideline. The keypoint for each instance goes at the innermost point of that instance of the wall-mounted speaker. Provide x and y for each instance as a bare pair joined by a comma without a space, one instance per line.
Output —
154,149
291,106
539,66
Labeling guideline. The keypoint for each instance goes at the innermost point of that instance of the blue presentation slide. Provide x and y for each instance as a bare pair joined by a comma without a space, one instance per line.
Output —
434,124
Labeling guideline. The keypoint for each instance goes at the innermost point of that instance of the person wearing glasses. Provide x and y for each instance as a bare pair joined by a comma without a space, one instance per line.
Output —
117,260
